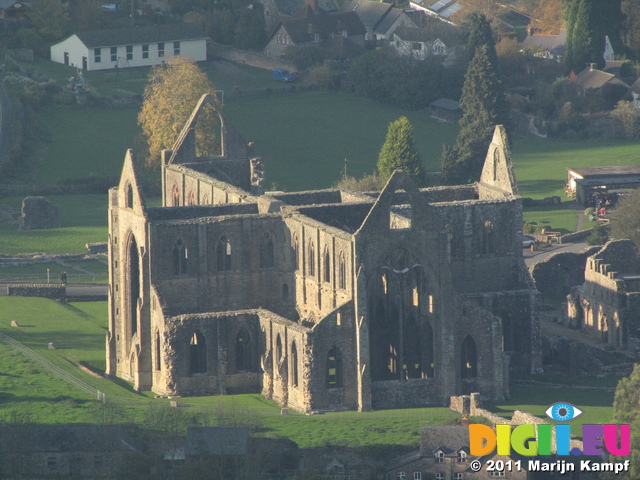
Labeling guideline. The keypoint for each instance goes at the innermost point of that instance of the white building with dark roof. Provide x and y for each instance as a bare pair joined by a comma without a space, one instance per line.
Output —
130,47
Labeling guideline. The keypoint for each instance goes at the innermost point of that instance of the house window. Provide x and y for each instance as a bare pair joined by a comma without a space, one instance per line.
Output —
97,55
52,461
457,476
145,51
417,475
98,461
176,48
316,38
287,40
439,456
401,476
161,49
462,456
114,54
416,46
129,52
440,476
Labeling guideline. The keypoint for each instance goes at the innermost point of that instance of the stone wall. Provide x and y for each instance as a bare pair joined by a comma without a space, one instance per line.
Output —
38,212
555,276
54,292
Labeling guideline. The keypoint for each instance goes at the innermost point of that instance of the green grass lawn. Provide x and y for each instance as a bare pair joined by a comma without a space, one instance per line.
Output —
83,219
305,138
86,142
597,405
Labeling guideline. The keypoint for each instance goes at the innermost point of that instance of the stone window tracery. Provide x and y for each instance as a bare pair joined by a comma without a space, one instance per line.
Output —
266,251
327,266
468,358
294,364
334,368
312,260
342,272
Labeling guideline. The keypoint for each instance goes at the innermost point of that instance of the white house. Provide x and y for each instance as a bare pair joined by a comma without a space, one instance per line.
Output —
130,47
418,43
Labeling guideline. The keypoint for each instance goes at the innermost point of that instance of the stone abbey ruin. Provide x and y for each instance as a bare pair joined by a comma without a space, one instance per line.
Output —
320,300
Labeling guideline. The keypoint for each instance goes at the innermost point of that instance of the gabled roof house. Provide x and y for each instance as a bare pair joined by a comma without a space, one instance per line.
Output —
342,33
130,47
380,19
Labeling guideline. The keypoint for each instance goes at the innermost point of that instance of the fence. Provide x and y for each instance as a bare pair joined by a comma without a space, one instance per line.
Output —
44,363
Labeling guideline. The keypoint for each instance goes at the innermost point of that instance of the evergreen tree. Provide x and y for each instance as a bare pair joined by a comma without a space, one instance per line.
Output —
483,107
588,23
480,34
399,151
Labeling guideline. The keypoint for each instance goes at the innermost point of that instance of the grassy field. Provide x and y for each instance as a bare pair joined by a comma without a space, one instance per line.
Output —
305,138
83,219
78,331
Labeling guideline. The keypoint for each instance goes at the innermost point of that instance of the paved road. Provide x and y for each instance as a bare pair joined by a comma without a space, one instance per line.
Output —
533,257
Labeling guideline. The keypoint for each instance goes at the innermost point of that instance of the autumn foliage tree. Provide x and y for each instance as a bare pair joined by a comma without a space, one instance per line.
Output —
168,100
548,17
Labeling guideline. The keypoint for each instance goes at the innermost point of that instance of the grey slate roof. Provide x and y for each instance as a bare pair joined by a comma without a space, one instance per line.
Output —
607,171
554,44
594,78
387,21
5,4
370,13
446,103
451,437
414,34
635,88
138,35
290,7
217,441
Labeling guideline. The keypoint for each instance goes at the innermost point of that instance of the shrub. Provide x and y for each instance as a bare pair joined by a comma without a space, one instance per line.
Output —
304,57
368,183
599,236
324,77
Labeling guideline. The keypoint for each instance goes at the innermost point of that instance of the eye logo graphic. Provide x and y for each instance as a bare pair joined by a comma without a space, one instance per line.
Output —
563,412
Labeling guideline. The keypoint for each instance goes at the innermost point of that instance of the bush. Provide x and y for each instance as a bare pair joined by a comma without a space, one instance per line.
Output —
599,236
324,77
304,57
368,183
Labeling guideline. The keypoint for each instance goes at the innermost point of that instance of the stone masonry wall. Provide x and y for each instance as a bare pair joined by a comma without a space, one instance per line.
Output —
54,292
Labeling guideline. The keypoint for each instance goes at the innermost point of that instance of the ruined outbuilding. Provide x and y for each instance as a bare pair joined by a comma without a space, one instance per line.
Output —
37,213
321,300
607,303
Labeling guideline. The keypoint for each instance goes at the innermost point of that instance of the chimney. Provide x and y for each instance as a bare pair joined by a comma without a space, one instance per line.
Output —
592,66
313,4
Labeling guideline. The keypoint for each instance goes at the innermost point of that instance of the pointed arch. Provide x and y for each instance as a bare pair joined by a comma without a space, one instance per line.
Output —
197,353
180,254
129,196
266,251
285,292
175,196
223,254
244,357
334,368
133,278
294,364
468,358
158,362
342,272
326,266
192,198
311,262
296,251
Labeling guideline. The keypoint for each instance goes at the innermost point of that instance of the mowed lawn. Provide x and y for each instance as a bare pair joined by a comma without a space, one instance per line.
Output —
83,219
306,138
86,142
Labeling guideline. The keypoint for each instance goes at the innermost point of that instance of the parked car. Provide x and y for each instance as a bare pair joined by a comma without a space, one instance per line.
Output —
527,241
283,76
